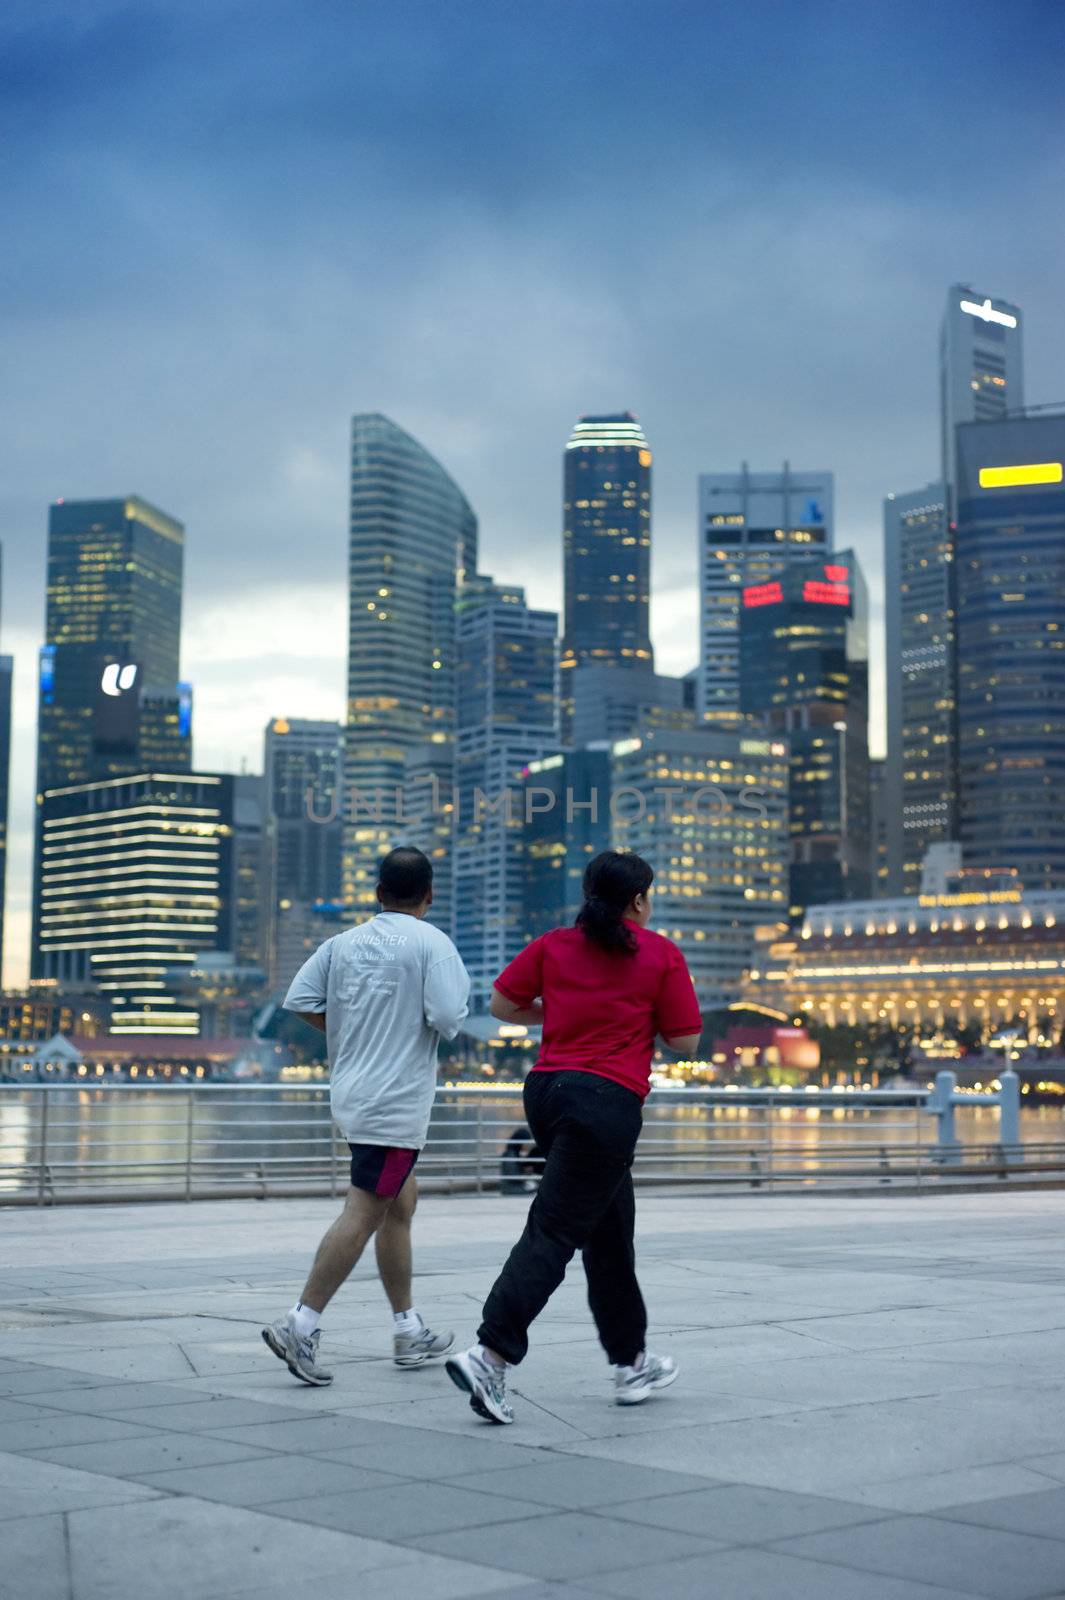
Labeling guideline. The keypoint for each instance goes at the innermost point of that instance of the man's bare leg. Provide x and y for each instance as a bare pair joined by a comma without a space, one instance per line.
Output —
392,1244
342,1246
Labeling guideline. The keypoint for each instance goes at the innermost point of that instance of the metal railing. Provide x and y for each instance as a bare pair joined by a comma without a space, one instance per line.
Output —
199,1141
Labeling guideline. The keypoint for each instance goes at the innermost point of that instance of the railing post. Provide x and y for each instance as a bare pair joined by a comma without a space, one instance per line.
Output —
769,1144
189,1119
42,1161
942,1102
1009,1114
480,1151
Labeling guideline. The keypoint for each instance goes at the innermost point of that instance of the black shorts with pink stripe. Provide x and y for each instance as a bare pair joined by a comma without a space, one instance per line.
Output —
380,1170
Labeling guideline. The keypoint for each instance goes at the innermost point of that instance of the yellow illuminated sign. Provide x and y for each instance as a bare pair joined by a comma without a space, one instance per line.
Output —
1013,477
995,897
645,458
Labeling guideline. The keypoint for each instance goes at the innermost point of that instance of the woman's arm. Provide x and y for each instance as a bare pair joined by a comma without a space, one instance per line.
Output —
509,1011
683,1044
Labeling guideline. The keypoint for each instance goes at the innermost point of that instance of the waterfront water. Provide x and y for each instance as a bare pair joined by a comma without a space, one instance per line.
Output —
150,1134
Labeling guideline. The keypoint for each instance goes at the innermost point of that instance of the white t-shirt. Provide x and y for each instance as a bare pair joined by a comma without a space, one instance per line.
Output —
389,988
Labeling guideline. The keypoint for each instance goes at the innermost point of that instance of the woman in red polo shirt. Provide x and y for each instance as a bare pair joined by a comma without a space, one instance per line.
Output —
603,991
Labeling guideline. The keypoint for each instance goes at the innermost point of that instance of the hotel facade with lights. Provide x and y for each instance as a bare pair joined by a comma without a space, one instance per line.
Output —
983,952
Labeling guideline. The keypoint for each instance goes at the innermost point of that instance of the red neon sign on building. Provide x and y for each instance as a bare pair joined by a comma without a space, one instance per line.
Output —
834,591
763,594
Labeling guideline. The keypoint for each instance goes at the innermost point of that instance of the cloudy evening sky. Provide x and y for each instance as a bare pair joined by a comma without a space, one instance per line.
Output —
230,225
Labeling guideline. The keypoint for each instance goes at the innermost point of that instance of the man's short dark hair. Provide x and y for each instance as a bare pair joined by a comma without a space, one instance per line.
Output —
405,877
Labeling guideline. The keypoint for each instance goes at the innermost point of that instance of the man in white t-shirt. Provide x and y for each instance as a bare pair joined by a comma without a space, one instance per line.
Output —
384,993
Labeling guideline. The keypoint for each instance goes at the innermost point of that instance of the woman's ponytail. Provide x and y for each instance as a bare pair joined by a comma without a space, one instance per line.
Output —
611,883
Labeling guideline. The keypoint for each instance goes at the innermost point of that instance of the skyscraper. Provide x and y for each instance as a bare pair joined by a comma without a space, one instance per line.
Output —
1010,559
606,548
507,681
110,699
612,704
805,675
114,601
413,535
709,809
302,778
751,526
566,811
981,377
981,369
879,865
137,881
919,778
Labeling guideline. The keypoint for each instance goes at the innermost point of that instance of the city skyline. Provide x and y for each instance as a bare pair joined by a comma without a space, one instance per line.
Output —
224,317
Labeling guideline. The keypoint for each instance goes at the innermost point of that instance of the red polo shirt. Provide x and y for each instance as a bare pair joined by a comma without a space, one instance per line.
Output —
603,1010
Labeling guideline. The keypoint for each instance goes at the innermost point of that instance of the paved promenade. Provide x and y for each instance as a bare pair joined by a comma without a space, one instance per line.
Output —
871,1407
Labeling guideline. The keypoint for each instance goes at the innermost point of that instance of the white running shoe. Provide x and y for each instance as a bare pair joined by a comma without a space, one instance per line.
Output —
484,1382
633,1385
415,1349
299,1351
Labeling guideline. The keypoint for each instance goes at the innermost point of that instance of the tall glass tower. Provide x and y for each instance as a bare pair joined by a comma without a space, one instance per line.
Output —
606,547
752,526
506,709
919,778
109,699
1010,557
114,601
413,536
805,674
981,367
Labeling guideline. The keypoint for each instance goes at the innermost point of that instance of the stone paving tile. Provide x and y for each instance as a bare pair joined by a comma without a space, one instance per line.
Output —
32,1488
173,1546
208,1416
102,1363
33,1381
423,1577
574,1484
386,1446
1051,1466
111,1399
1042,1513
979,1561
446,1410
34,1562
570,1545
262,1479
929,1492
761,1575
147,1453
403,1512
28,1409
738,1513
552,1591
411,1453
835,1449
60,1428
